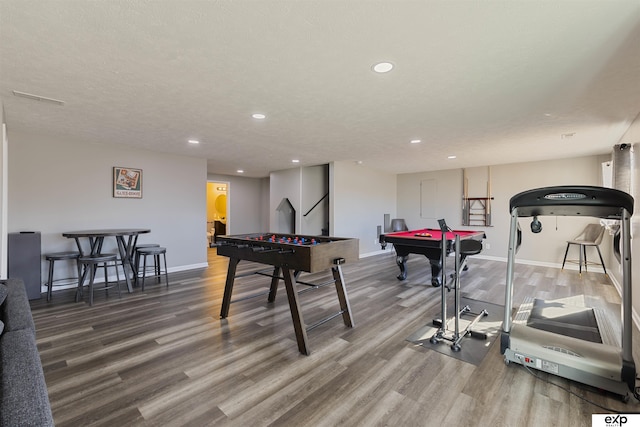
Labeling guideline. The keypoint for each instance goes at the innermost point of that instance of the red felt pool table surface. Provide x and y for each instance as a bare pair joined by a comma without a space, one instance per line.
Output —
432,234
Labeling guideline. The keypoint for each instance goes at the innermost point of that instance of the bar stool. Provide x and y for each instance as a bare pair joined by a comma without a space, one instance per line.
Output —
591,236
60,256
155,253
136,256
91,263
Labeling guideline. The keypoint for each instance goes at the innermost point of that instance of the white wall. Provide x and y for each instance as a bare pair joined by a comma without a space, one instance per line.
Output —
284,184
315,184
58,185
446,204
545,248
303,187
359,199
246,208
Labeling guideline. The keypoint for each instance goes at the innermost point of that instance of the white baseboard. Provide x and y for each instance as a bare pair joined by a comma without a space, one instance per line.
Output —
570,266
112,277
380,252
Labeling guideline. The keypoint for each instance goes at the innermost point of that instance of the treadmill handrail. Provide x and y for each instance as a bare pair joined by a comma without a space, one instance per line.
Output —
571,200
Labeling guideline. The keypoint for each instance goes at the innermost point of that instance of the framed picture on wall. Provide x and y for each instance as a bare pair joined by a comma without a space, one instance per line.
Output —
127,183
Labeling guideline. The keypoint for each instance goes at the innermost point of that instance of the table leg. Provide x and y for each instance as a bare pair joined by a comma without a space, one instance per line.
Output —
95,246
436,269
296,313
130,249
342,296
82,276
123,257
275,279
228,287
401,260
123,248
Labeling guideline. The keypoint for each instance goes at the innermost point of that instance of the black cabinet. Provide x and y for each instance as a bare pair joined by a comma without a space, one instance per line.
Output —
220,228
24,261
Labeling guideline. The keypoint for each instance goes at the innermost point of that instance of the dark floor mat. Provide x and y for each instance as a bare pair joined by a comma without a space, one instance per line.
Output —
472,350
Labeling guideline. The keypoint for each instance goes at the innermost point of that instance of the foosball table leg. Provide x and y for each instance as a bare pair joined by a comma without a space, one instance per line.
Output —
275,279
228,287
296,314
342,296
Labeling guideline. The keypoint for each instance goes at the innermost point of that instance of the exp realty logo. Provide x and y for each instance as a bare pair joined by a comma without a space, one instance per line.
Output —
615,420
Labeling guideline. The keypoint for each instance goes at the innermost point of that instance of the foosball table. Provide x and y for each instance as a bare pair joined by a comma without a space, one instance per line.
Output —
289,255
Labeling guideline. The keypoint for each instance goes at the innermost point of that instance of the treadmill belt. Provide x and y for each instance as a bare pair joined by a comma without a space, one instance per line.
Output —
558,318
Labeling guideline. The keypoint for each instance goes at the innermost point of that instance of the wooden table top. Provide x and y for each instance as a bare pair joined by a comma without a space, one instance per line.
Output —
107,232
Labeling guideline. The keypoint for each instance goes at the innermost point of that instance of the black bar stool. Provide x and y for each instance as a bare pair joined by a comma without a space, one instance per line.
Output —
91,263
136,257
155,253
60,256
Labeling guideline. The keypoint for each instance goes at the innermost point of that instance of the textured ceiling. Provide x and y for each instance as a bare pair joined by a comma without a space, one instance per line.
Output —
489,81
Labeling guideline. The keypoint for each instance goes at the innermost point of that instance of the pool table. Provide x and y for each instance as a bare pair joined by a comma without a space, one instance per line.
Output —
427,242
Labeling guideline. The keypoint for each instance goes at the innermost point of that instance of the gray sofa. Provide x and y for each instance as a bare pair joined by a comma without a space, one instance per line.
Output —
23,392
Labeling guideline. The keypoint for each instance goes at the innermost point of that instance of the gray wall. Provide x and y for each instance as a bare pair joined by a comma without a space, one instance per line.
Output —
315,184
545,248
247,210
444,204
58,185
284,184
303,187
359,199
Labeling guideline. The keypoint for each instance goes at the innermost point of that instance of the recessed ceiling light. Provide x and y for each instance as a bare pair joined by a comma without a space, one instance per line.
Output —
240,171
382,67
451,157
258,116
416,141
295,161
194,141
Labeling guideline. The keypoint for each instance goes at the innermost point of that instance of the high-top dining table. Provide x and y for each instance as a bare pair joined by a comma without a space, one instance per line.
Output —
126,239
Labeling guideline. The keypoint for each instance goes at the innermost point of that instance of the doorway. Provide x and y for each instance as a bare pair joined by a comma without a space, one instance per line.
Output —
217,201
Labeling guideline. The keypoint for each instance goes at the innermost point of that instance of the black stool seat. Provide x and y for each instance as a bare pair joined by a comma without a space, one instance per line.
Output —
136,257
470,247
56,256
93,262
98,259
154,252
59,256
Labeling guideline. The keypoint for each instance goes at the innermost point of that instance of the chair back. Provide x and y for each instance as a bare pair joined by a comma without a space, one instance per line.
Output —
398,224
593,233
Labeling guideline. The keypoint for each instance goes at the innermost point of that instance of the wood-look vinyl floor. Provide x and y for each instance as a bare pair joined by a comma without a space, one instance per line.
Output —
165,358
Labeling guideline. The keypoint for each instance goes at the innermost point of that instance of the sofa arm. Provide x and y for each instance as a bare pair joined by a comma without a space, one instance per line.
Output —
24,400
15,312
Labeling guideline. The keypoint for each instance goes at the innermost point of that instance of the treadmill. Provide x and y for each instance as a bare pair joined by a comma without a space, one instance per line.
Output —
547,344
